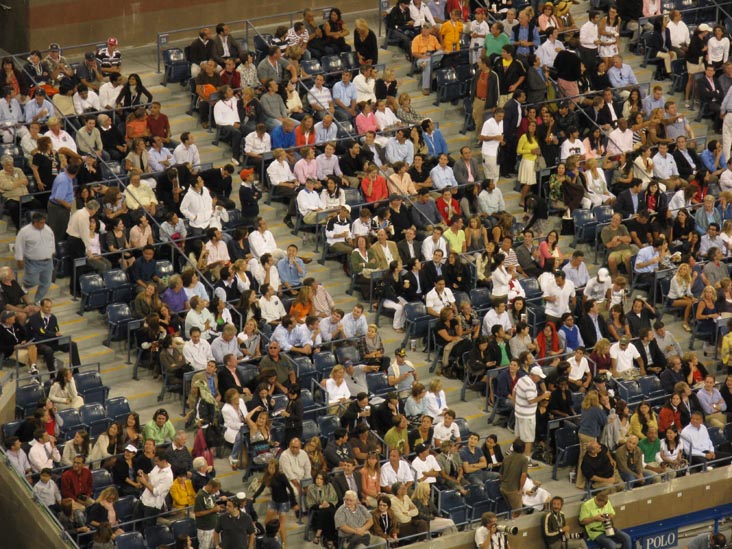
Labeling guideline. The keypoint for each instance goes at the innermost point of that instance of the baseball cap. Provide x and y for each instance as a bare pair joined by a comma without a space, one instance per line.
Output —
480,10
6,315
241,496
394,197
131,448
89,56
347,363
704,27
53,46
624,340
603,275
537,371
401,352
111,41
420,448
246,172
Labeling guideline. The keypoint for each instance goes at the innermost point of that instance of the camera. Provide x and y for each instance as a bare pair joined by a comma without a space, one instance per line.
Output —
607,524
507,529
571,535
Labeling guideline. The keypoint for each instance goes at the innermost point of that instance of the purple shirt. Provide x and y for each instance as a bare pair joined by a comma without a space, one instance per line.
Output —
176,301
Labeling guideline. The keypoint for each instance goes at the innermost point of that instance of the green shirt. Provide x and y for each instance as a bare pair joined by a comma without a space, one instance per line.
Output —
495,45
504,354
590,509
159,434
650,449
205,502
396,439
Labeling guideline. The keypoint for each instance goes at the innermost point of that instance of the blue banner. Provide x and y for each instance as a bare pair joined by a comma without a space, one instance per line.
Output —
660,541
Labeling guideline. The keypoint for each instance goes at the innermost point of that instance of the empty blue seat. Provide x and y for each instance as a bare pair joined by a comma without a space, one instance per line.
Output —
378,383
118,408
130,540
27,398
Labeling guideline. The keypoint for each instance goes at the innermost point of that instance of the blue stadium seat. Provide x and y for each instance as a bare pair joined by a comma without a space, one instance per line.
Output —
158,535
328,425
92,412
452,505
101,478
93,293
130,540
26,399
177,68
378,383
118,408
324,362
118,316
348,352
119,288
310,429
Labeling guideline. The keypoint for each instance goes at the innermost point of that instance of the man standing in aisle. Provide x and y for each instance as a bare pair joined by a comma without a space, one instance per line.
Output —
35,245
526,397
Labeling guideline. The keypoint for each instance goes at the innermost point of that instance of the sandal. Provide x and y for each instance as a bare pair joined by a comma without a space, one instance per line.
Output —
687,327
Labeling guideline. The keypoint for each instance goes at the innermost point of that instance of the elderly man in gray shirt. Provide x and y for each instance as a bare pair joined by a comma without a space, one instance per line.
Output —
273,67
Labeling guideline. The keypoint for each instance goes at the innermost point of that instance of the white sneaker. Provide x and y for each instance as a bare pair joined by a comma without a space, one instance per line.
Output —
33,370
234,161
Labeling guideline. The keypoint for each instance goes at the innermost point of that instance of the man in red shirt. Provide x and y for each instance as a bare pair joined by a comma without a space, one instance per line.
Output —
159,125
76,483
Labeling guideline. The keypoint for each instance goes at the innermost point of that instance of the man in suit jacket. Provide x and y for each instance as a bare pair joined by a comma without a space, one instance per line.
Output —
383,251
711,95
200,387
218,181
43,327
467,169
629,201
687,161
592,322
511,119
223,44
610,107
413,284
433,269
348,479
408,247
201,49
653,358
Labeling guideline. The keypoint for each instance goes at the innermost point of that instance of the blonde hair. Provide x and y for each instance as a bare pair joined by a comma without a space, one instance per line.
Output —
109,491
361,24
591,400
687,278
602,345
337,368
422,492
620,280
435,385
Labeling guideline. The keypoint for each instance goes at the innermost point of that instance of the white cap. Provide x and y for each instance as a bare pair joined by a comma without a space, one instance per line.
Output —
704,27
603,275
537,371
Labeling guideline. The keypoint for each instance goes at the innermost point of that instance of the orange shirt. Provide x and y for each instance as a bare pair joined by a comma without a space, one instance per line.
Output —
421,45
300,311
137,128
451,32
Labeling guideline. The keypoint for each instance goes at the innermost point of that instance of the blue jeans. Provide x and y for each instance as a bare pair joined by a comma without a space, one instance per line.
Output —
610,542
633,480
38,273
426,65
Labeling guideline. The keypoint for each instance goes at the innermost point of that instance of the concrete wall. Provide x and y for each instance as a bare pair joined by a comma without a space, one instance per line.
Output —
24,524
35,23
640,506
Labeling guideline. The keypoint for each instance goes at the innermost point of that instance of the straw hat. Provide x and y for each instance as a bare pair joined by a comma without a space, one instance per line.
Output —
562,8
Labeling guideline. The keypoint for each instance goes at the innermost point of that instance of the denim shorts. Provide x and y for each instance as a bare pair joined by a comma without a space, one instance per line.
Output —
281,508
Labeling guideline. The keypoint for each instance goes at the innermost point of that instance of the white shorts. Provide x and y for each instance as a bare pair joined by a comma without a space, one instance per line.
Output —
526,428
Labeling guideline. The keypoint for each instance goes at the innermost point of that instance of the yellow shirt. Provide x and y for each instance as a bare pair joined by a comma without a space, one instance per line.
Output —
524,148
451,32
183,495
421,45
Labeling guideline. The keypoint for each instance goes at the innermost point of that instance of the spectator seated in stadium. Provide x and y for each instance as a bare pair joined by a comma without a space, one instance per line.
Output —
42,327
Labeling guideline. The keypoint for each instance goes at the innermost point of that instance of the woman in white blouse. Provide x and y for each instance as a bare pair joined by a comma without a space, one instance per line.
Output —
435,402
501,278
717,47
679,292
336,386
643,166
332,196
597,191
235,414
63,391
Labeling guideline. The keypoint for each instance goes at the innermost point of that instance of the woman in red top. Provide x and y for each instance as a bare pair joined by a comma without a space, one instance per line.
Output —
447,206
548,344
670,415
304,133
374,186
462,5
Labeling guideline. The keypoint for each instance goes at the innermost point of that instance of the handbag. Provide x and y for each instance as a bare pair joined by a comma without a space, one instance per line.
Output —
540,163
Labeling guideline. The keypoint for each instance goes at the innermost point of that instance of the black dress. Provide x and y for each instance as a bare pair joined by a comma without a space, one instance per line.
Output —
367,48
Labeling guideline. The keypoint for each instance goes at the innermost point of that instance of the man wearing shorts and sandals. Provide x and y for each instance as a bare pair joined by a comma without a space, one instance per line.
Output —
526,398
616,239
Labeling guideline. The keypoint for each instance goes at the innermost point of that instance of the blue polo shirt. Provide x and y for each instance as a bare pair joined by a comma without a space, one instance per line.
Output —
63,188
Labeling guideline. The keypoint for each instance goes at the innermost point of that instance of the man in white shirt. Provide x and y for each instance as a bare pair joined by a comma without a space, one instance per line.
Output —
157,484
589,40
395,470
218,253
435,242
665,169
160,157
497,315
490,199
439,297
678,31
425,465
446,429
109,91
620,139
197,351
187,151
265,271
262,241
559,297
295,464
576,270
272,308
59,137
492,136
354,323
622,355
697,443
226,115
548,51
43,452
